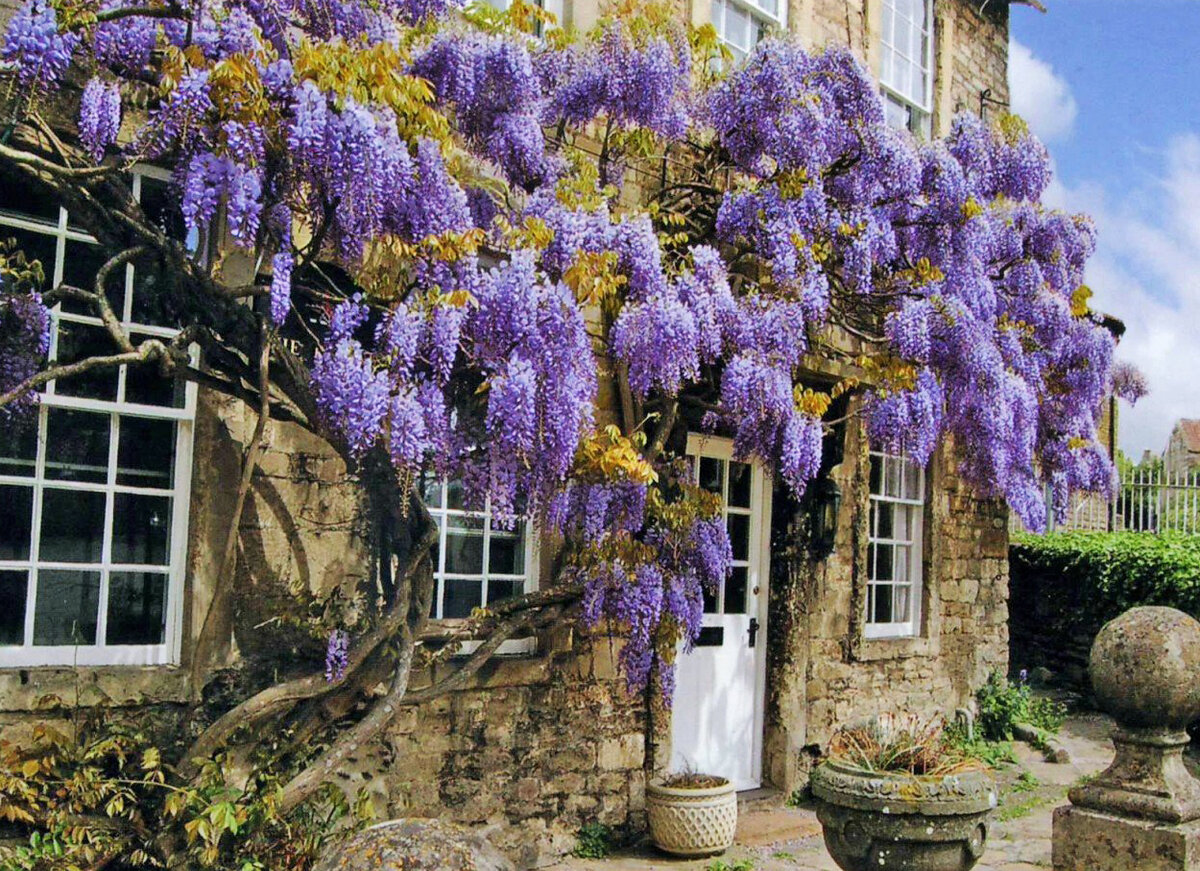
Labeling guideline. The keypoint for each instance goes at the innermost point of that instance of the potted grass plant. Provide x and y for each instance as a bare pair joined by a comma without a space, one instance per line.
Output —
897,793
692,814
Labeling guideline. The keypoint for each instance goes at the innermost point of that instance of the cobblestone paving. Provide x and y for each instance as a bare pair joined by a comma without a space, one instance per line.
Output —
789,839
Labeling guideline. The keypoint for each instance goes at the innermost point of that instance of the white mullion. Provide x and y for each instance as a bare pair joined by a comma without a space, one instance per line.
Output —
445,518
173,608
487,550
36,532
110,508
725,519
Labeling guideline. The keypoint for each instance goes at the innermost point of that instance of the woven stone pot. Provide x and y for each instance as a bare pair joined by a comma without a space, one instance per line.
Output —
900,822
692,822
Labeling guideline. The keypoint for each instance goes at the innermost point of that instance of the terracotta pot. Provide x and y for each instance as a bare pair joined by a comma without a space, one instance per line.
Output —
692,822
897,821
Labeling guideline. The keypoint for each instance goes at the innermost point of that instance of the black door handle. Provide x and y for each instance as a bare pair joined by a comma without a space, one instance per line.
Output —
753,630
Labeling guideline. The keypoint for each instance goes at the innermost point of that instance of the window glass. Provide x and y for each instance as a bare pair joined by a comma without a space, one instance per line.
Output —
476,563
897,486
741,24
14,587
92,488
906,63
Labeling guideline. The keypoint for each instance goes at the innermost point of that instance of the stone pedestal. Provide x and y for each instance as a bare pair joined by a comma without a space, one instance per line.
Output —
1143,812
1088,840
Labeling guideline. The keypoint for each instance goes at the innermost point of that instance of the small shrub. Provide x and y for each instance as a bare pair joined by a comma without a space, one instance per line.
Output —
993,754
1003,704
722,865
902,744
1026,782
593,841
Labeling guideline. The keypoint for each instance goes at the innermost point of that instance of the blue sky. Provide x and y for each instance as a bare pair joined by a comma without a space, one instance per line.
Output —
1113,88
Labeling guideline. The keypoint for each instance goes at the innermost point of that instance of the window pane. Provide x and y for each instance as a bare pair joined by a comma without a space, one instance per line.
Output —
735,590
883,562
739,485
507,553
14,589
883,604
885,514
67,606
80,341
15,198
145,452
145,385
18,445
902,614
455,496
901,566
35,246
876,474
161,207
461,597
16,522
710,601
150,304
72,527
81,264
498,591
711,471
141,529
902,515
891,484
464,547
136,608
739,535
77,446
912,481
737,24
431,490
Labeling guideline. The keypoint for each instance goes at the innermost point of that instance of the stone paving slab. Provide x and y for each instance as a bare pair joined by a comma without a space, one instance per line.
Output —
788,839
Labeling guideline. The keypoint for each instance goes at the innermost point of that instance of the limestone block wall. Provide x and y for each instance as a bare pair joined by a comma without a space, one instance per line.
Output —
538,747
825,674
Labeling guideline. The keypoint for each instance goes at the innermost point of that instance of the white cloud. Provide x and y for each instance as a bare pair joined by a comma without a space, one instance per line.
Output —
1146,271
1039,95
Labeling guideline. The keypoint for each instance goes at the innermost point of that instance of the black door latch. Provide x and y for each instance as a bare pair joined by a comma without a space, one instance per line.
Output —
753,630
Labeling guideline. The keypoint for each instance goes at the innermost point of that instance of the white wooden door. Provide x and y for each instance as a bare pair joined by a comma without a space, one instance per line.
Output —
717,719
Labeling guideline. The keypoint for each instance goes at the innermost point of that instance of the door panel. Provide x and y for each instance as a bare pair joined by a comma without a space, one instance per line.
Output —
716,725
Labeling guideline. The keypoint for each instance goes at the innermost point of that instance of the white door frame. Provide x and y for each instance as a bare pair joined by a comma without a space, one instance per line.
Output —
758,581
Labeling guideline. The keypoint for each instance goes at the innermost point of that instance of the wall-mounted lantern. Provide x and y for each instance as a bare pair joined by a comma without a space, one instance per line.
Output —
825,503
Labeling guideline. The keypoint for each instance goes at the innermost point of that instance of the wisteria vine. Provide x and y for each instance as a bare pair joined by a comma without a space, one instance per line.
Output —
467,177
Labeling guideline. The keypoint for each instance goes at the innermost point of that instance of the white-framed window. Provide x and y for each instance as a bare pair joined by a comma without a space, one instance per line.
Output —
554,7
742,24
906,64
94,488
476,563
894,547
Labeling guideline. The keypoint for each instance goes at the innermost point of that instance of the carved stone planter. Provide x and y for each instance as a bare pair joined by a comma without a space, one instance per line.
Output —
901,822
689,821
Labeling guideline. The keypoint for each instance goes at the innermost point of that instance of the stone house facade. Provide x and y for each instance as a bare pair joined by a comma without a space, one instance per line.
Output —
907,611
1182,455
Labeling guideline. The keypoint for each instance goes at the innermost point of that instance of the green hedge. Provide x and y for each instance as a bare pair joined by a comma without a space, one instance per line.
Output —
1094,576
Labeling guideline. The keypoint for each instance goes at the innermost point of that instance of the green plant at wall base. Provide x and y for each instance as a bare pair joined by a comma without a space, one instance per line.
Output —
993,754
722,865
1003,704
593,841
100,795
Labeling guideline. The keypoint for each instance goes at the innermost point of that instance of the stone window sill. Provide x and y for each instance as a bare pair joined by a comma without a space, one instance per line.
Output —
877,649
44,688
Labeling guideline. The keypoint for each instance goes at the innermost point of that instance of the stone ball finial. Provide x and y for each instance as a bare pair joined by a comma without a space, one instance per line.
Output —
1145,668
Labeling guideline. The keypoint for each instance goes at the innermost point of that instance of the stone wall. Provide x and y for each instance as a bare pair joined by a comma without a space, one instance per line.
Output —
825,674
